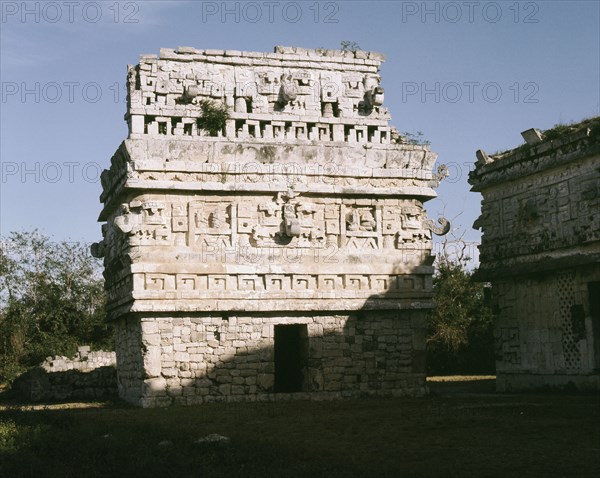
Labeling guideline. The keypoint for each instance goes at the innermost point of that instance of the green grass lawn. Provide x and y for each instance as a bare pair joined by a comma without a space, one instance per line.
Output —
450,434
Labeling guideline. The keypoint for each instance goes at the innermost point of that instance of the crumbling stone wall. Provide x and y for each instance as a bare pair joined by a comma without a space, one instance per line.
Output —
305,210
84,360
541,251
88,375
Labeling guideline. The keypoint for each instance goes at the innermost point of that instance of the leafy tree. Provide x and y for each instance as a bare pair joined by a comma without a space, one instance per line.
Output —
51,300
460,337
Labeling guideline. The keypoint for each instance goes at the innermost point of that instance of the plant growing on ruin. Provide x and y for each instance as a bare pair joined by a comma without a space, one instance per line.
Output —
347,45
214,117
556,131
417,138
561,129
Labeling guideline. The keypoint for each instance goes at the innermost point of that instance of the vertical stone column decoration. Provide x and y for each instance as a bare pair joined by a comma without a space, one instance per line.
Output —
541,252
264,233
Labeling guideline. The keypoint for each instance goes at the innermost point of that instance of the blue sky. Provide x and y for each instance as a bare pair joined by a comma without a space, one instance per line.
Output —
469,75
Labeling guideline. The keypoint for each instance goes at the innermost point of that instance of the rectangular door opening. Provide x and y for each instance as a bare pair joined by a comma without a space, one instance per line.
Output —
291,358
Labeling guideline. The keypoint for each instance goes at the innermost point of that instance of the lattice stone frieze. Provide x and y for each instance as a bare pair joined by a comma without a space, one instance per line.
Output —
566,299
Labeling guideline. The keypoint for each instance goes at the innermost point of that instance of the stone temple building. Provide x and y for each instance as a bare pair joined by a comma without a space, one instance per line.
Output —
264,231
541,251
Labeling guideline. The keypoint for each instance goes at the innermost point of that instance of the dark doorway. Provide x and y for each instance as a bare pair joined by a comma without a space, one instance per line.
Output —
291,357
594,298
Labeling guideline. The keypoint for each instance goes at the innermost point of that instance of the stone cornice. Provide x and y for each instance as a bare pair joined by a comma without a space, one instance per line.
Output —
527,160
538,264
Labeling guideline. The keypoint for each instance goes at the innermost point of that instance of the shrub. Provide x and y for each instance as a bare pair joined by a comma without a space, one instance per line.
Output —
214,117
52,300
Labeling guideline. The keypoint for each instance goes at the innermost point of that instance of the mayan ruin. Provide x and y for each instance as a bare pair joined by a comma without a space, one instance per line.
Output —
323,239
541,252
264,231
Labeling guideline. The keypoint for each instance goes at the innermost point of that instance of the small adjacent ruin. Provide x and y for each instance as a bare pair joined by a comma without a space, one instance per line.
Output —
88,375
540,220
264,231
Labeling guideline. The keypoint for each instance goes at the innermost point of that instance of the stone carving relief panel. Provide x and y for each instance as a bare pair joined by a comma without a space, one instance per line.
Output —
549,213
279,221
507,345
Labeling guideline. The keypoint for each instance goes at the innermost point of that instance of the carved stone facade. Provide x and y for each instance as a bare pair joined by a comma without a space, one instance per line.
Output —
287,252
541,251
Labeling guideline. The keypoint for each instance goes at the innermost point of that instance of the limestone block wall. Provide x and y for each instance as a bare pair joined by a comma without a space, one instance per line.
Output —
130,353
87,375
541,251
84,360
200,359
